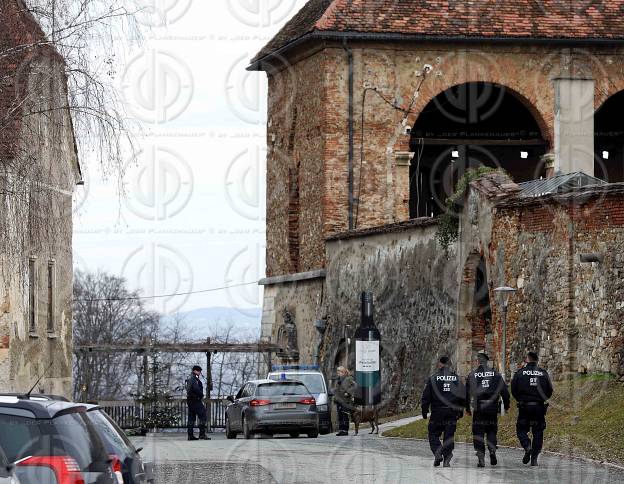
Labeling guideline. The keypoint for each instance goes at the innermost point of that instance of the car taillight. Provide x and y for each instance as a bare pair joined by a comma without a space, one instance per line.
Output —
308,401
65,467
259,403
116,466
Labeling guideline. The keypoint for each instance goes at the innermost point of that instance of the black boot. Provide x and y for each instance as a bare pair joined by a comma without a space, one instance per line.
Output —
192,437
447,460
481,458
527,456
203,437
534,460
493,459
437,461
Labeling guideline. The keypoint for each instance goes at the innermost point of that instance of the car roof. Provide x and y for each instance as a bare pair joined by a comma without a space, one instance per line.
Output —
35,396
272,382
298,372
40,408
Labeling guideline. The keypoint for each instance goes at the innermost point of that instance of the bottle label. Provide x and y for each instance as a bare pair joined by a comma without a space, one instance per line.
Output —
367,356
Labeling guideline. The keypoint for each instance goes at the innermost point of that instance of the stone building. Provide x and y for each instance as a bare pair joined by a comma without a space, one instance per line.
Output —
39,170
377,108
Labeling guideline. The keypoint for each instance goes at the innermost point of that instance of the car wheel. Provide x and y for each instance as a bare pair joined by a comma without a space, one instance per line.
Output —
294,435
229,433
246,432
313,434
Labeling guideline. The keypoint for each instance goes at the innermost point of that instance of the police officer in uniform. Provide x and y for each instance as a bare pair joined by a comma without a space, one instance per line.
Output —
531,387
345,389
196,408
444,394
484,389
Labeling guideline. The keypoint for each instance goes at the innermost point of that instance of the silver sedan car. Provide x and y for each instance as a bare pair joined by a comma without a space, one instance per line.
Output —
272,407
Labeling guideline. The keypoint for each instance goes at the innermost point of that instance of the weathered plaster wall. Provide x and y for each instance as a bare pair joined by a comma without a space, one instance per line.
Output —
414,284
40,227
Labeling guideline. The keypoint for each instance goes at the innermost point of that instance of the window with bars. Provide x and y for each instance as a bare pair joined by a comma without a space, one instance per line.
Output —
32,295
51,295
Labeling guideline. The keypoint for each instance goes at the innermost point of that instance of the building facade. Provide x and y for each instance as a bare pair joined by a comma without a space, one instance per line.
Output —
377,109
39,170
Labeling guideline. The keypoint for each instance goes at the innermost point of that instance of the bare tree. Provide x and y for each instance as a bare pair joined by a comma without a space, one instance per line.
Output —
105,311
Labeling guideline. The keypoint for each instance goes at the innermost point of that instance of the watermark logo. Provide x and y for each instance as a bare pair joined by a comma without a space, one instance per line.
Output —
247,265
160,270
261,13
160,184
246,92
157,86
244,184
161,13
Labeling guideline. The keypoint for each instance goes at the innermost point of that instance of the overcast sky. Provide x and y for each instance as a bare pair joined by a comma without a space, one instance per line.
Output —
194,214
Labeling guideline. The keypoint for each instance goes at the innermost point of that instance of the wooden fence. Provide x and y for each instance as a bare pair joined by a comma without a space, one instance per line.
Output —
129,414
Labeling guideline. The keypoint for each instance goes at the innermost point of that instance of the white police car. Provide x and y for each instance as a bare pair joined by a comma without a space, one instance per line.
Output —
314,380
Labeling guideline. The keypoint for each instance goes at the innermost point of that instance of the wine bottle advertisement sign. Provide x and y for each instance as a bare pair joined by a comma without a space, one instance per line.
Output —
367,356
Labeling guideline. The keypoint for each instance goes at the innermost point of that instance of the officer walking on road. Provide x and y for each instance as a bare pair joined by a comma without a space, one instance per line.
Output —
345,389
484,389
196,408
445,394
531,387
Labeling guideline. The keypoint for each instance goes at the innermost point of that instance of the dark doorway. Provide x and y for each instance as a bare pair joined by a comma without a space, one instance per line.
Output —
609,140
482,319
471,125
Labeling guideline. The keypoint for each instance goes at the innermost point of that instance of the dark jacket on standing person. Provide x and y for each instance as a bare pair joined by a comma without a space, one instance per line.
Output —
345,389
444,390
484,389
194,388
531,384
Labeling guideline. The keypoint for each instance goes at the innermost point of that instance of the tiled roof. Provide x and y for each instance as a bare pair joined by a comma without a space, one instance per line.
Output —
439,19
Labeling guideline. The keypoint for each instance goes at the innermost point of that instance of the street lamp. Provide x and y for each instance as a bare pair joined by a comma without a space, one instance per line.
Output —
505,292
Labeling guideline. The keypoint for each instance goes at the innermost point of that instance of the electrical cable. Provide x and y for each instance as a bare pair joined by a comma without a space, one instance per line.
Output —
136,298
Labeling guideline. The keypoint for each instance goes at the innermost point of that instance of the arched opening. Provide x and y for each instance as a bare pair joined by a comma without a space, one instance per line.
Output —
466,126
609,140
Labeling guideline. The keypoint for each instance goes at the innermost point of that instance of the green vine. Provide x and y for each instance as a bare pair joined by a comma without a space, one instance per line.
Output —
448,223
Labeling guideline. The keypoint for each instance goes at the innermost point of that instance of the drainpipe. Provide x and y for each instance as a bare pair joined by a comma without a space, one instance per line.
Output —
351,130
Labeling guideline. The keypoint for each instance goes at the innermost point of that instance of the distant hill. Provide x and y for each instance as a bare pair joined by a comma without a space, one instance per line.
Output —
202,322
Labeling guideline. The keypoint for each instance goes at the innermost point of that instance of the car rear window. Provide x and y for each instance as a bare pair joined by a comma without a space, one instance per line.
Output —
67,435
281,389
313,381
114,439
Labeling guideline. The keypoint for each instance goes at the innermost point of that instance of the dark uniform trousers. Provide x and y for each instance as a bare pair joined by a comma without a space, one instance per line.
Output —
484,430
343,417
196,410
531,417
443,422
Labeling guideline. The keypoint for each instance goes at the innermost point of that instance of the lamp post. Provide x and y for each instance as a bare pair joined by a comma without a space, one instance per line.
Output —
505,292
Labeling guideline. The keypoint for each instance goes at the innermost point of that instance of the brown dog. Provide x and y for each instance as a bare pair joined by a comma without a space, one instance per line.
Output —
366,414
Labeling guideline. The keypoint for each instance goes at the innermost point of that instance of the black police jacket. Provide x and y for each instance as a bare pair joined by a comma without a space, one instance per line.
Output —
194,388
484,389
444,390
531,384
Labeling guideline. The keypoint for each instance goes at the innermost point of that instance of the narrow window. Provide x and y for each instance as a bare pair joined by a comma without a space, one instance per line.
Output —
32,295
51,295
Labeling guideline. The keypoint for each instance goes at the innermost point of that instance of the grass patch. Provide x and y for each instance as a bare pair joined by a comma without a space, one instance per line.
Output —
585,418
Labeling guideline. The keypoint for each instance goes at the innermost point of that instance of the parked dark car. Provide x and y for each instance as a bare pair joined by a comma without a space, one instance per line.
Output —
272,407
53,442
133,469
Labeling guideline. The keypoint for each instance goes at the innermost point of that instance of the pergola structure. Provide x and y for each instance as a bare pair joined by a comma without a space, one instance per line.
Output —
146,348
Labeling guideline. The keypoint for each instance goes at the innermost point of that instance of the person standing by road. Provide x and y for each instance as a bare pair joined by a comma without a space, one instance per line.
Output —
196,408
531,387
444,394
484,389
345,389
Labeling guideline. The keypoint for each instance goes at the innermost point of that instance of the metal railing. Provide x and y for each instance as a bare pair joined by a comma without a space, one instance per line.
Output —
130,414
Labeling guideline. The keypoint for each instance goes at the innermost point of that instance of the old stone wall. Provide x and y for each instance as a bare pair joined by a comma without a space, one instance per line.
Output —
568,310
38,230
414,284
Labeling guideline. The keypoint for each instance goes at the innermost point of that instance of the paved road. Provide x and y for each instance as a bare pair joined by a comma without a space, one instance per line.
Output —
364,459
